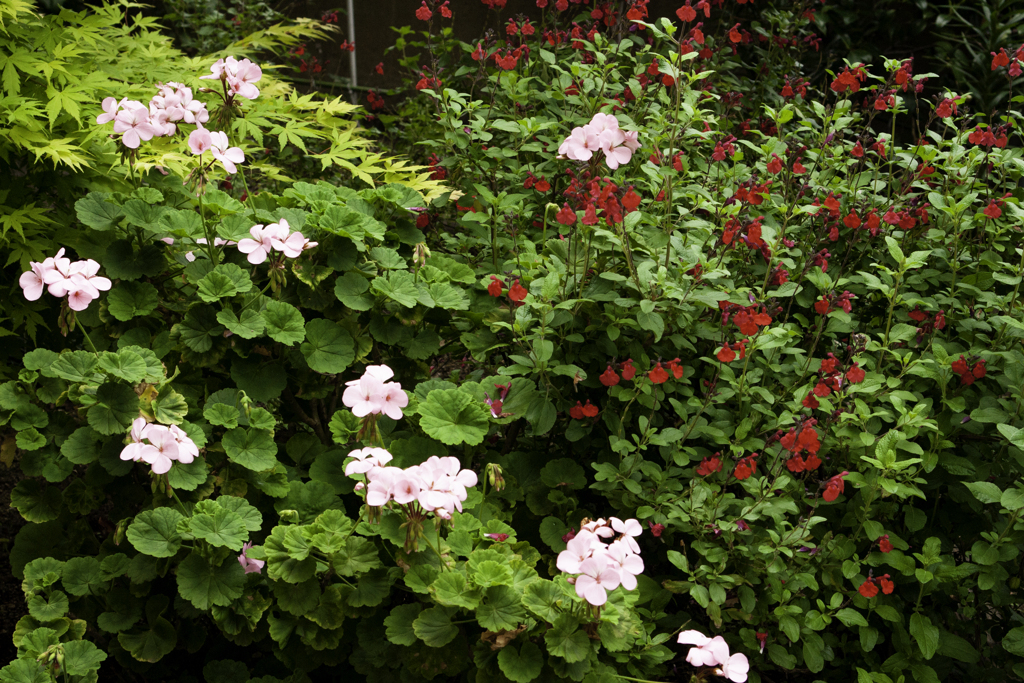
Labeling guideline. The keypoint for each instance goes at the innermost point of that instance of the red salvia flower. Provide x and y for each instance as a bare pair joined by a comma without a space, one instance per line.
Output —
834,487
627,369
686,13
590,410
855,375
565,215
709,466
884,545
609,377
517,292
424,13
576,412
746,467
868,589
495,288
658,375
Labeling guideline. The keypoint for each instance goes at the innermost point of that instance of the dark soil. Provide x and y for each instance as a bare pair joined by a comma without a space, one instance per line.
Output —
12,600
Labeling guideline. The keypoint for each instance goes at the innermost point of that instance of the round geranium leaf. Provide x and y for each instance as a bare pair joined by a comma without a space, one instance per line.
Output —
154,532
328,348
206,585
453,417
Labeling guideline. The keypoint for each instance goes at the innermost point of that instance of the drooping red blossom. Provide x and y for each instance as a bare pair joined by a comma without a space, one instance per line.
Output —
710,465
609,377
656,529
834,487
686,13
884,545
658,374
565,215
424,13
855,375
746,467
517,292
631,200
495,287
627,369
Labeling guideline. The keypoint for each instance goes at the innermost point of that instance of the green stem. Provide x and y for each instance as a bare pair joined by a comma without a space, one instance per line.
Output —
87,338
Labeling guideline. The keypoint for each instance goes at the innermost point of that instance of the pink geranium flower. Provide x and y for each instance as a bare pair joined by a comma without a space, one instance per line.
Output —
393,400
580,145
626,563
134,125
110,108
366,397
293,245
735,668
250,566
366,459
227,156
259,247
596,580
576,552
133,451
32,281
162,449
199,141
708,651
629,529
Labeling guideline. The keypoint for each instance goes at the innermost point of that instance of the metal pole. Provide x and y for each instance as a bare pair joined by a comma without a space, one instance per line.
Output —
352,55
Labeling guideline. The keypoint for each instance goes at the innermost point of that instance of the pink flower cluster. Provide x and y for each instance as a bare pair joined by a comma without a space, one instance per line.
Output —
136,122
715,652
238,75
275,237
159,446
216,142
438,485
77,281
603,567
372,393
250,566
602,134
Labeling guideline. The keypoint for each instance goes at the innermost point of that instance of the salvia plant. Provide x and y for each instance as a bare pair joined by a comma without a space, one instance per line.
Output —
682,366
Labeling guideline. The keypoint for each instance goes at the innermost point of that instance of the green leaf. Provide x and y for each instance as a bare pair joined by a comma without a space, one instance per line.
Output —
653,322
925,633
297,598
328,348
248,325
205,585
199,329
351,289
434,626
75,366
116,406
221,415
1012,499
188,477
448,297
399,286
48,609
522,665
1013,641
451,589
144,215
357,557
851,617
24,671
131,300
221,528
357,226
81,657
223,281
501,609
284,322
985,491
565,640
251,448
122,262
399,624
281,566
954,646
169,406
154,532
96,212
35,501
454,417
542,598
80,575
371,590
124,364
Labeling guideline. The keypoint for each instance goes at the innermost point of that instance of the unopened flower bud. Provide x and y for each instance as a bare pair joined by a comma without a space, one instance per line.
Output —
494,476
360,486
290,516
420,254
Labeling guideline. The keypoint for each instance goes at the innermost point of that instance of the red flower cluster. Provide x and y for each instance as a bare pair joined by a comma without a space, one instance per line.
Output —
988,137
724,148
659,375
580,411
638,10
798,440
849,79
946,108
508,61
347,46
834,487
746,467
797,87
539,184
968,374
869,588
830,302
428,82
566,216
727,353
752,193
748,318
710,465
375,101
438,172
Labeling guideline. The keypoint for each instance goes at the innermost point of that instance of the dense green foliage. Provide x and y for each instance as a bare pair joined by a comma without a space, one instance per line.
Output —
787,344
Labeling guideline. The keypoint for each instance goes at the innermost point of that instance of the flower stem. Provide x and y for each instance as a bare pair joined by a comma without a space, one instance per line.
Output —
88,339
